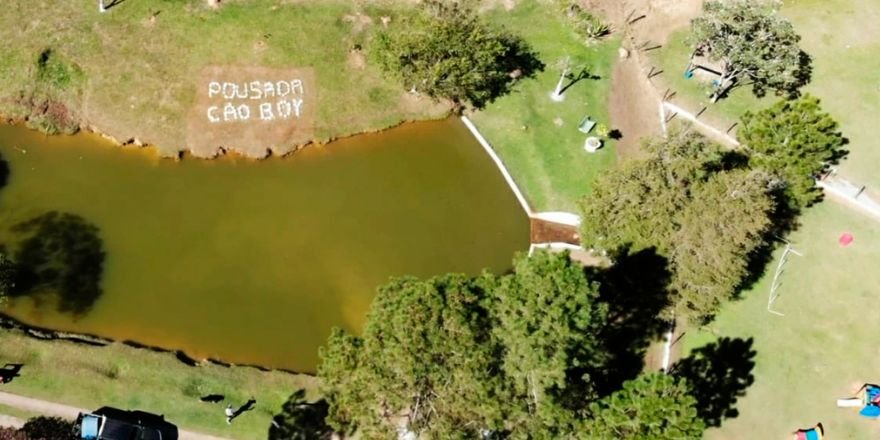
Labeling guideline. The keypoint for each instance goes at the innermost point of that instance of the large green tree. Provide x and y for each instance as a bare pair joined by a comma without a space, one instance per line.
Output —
547,320
426,361
794,141
753,45
502,357
684,201
723,224
652,406
446,51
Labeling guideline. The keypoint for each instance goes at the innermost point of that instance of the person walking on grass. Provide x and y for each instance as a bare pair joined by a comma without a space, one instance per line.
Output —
230,414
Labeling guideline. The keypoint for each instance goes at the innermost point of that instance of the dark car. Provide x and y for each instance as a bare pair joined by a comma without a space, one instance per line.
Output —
115,424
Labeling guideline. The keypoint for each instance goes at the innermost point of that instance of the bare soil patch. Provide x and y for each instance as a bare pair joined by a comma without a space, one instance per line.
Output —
634,107
254,111
550,232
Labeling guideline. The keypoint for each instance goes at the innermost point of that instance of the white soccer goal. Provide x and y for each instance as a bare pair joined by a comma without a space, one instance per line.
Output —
780,268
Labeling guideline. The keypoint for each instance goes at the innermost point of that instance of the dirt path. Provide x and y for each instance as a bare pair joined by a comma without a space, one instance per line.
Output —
633,107
68,412
634,99
11,422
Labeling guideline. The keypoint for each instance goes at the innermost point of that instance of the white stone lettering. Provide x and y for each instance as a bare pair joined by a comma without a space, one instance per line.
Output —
267,97
269,89
266,112
297,87
256,90
283,88
213,89
212,110
244,112
228,90
229,112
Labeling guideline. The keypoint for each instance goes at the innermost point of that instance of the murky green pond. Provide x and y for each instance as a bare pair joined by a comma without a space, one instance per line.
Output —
255,262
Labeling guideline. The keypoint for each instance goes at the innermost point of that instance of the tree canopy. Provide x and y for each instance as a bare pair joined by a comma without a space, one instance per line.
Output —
446,51
753,44
425,361
684,199
651,406
794,141
512,356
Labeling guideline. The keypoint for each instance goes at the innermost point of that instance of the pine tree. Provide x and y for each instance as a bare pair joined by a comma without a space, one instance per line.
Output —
794,141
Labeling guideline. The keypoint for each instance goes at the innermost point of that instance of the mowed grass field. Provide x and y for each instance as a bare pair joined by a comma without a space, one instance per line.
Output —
140,60
537,138
129,378
843,39
824,348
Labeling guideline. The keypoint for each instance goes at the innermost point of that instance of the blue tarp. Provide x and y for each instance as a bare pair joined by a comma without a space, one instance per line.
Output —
89,427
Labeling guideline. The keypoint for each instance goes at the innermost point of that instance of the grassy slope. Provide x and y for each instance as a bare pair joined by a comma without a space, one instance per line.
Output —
823,348
129,378
140,76
548,161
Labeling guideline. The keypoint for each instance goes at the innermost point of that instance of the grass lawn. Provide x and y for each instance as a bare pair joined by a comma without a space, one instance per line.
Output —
537,138
129,378
824,347
843,38
140,60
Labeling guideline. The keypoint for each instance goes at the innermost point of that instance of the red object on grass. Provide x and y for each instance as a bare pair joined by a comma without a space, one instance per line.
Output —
845,239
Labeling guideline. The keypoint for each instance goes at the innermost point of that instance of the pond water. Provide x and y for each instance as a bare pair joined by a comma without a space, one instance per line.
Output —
250,262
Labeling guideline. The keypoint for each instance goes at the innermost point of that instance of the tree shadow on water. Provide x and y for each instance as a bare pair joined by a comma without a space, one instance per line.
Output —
635,291
59,253
4,172
301,420
718,374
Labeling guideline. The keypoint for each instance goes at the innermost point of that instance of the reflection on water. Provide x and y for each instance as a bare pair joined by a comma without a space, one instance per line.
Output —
59,253
248,262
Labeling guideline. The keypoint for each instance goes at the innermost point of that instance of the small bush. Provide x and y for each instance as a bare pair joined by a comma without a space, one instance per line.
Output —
52,70
587,25
194,387
111,371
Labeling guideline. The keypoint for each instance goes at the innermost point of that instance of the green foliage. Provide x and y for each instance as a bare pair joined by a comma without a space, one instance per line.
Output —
707,220
53,71
753,43
548,317
194,387
453,357
446,51
588,26
794,141
652,406
48,428
43,103
724,222
426,357
301,420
